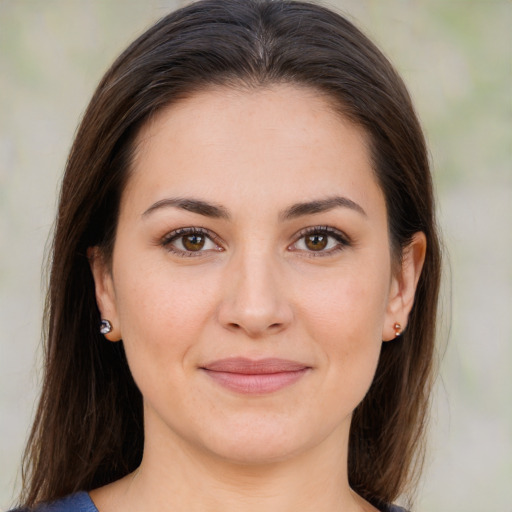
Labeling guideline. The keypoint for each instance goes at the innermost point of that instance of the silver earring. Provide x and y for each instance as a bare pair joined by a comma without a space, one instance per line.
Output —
105,326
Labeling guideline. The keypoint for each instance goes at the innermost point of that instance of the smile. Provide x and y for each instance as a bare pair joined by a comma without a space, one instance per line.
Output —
255,377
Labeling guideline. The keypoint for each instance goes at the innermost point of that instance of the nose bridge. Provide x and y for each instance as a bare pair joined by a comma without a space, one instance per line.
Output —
255,301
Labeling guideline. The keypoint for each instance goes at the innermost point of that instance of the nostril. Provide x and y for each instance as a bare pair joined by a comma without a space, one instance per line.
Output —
255,330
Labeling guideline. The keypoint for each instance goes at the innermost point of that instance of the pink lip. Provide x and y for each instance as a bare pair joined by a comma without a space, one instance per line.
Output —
255,377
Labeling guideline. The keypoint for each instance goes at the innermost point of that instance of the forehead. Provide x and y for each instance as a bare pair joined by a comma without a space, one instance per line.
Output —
258,112
284,139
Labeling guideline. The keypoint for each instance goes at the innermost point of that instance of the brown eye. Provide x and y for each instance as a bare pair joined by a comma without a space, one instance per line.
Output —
190,242
320,241
194,242
316,242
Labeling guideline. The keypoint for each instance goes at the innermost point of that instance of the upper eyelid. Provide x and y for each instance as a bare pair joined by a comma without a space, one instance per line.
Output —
329,230
176,233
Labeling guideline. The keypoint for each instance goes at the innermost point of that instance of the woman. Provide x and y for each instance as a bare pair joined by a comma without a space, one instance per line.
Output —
245,275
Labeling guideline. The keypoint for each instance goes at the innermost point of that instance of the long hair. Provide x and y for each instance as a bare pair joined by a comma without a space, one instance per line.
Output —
88,429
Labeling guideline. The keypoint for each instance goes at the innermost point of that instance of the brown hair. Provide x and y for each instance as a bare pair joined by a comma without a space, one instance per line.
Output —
88,429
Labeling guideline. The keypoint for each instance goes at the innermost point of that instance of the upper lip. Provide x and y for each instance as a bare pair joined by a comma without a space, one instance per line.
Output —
246,366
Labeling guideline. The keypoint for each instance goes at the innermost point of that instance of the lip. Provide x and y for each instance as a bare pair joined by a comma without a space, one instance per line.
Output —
255,377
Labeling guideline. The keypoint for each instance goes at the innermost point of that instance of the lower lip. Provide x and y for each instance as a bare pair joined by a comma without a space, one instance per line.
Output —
256,384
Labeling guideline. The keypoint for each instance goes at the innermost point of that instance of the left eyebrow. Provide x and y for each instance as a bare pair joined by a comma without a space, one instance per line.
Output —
191,205
319,206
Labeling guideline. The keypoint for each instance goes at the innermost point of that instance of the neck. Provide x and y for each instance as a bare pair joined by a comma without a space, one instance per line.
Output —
176,476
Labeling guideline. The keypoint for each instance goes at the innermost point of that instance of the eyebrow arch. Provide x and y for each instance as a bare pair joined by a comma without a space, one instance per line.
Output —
320,205
191,205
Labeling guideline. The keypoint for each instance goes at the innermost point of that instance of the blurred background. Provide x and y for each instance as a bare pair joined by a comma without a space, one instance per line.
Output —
455,56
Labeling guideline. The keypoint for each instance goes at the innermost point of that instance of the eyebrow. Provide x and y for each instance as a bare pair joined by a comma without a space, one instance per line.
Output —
219,212
191,205
319,206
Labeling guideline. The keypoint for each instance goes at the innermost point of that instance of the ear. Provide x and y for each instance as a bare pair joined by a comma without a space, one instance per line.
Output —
105,293
403,286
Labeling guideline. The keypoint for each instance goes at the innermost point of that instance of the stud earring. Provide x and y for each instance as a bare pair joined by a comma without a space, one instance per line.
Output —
105,326
398,329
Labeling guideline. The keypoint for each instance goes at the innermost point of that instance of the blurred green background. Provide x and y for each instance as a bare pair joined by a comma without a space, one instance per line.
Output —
455,56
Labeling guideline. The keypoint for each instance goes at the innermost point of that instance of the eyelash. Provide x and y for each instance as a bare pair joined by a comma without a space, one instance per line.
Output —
173,236
342,241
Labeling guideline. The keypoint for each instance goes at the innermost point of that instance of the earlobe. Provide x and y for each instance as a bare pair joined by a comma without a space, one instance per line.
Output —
403,287
105,294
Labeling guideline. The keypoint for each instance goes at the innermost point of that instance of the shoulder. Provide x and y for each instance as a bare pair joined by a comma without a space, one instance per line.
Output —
394,508
78,502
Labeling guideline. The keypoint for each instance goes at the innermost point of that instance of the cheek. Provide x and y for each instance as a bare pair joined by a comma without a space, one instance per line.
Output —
162,315
350,304
346,320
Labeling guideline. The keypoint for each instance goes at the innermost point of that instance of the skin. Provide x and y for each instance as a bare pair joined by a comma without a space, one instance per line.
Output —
255,289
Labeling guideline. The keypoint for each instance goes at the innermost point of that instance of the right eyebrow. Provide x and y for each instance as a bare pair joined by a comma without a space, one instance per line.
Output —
321,205
191,205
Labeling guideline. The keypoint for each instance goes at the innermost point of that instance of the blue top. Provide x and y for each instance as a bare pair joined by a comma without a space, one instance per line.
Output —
81,502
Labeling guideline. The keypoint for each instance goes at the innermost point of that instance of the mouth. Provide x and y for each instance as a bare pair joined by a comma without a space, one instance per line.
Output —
255,377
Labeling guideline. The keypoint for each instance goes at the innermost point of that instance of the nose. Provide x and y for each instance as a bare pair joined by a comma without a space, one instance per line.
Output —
254,300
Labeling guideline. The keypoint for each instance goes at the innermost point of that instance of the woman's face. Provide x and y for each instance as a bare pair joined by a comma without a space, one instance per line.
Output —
251,278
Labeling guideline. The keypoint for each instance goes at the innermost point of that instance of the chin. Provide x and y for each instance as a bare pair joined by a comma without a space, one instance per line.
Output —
257,452
264,441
